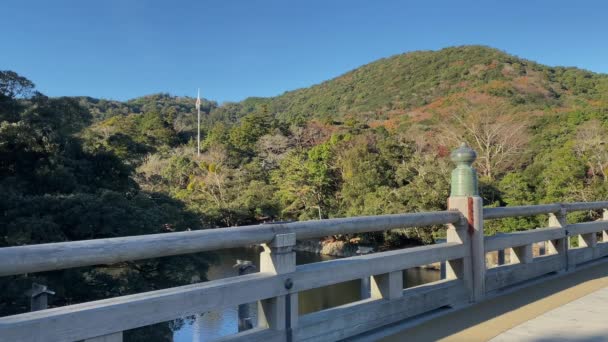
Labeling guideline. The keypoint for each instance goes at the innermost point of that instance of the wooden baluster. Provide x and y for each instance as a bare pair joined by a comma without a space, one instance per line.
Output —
461,268
522,254
501,257
39,297
469,233
559,246
588,241
542,248
365,288
387,285
279,257
245,323
605,232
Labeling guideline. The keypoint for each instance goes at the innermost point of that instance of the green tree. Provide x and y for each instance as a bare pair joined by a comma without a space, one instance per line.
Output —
251,128
307,183
362,172
12,86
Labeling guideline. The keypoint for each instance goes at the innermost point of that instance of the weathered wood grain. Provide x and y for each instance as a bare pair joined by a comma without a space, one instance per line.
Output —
92,319
54,256
347,320
587,227
331,272
507,275
577,206
504,241
526,210
103,317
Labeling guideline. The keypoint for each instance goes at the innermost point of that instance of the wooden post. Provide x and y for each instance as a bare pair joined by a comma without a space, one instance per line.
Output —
39,297
365,288
387,285
464,197
442,263
559,246
542,248
245,322
279,257
501,257
587,240
472,268
605,232
522,254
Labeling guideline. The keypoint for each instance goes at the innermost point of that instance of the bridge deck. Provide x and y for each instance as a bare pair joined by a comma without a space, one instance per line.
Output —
582,319
568,307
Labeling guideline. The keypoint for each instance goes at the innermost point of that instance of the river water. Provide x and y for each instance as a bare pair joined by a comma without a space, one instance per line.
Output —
219,323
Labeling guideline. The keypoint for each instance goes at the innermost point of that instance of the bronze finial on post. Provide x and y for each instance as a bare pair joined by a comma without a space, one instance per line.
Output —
464,197
464,176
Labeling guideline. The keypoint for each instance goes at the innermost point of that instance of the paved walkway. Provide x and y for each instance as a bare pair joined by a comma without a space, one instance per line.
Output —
585,319
508,317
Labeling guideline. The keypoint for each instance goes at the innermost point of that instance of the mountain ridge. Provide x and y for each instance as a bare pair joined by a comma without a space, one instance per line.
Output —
412,82
403,83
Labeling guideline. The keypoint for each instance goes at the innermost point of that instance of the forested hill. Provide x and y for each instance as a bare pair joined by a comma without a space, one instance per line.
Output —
373,141
179,108
364,142
422,85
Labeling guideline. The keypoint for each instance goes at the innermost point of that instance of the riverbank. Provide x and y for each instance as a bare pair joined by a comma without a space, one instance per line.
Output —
342,249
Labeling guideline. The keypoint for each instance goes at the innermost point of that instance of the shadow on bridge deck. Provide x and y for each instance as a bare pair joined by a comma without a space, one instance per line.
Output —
483,321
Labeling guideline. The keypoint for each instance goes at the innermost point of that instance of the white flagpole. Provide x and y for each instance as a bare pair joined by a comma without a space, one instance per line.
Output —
198,136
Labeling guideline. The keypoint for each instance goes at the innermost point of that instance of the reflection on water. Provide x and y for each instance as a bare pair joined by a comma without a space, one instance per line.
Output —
417,276
215,324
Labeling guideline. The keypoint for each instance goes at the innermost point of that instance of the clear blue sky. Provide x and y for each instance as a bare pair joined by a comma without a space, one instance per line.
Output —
231,49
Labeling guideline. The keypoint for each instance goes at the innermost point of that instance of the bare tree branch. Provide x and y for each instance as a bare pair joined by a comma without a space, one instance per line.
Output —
498,138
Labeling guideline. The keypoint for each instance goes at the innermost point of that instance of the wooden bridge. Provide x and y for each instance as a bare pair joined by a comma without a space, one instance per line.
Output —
468,280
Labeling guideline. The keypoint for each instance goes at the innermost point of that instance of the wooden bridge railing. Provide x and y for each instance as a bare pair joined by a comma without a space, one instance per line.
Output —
558,256
275,287
279,278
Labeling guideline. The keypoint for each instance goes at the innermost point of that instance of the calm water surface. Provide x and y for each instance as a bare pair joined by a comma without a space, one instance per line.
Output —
215,324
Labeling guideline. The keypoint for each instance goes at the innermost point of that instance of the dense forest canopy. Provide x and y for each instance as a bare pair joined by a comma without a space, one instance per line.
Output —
371,141
375,140
56,188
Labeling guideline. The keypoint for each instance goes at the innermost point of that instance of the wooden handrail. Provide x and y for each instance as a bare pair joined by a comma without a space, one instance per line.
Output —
531,210
108,316
504,241
86,320
55,256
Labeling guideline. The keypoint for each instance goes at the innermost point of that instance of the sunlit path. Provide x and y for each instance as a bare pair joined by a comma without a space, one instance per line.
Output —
540,312
583,319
